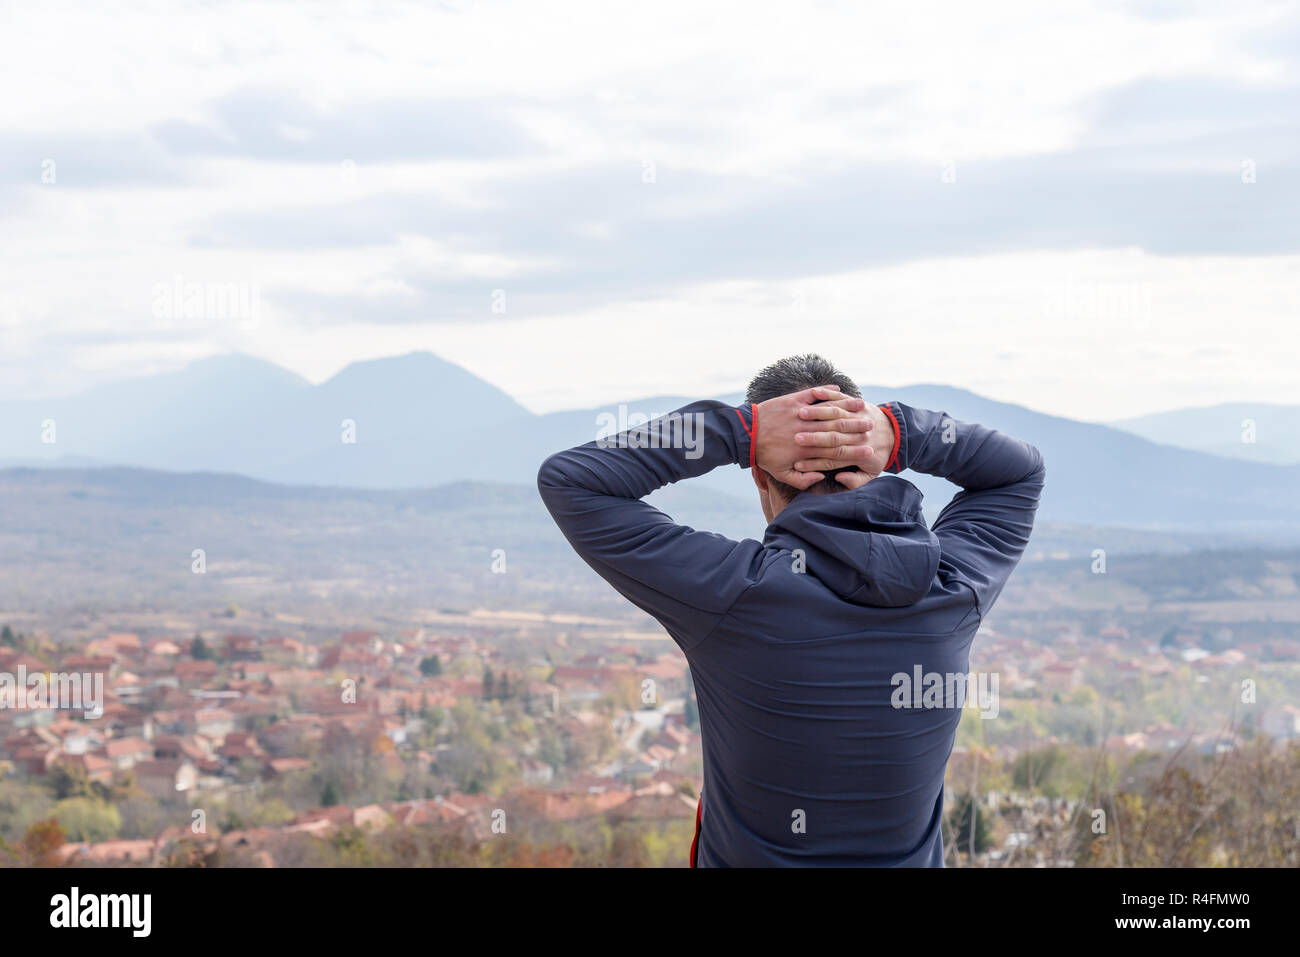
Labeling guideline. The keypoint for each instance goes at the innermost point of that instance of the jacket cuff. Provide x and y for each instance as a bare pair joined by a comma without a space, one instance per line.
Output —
893,465
745,436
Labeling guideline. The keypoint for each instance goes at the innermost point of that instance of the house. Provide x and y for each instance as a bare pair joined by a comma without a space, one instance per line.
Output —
100,647
293,733
278,766
284,649
168,723
163,648
1283,722
34,758
368,640
544,696
117,646
193,672
409,813
371,817
78,737
241,746
87,664
109,853
643,765
214,723
323,819
126,644
1062,676
569,804
242,648
97,770
192,748
676,738
167,778
124,721
536,772
655,806
669,675
577,693
125,753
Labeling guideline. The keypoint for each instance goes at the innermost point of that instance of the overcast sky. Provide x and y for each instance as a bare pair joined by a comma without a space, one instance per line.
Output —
1089,208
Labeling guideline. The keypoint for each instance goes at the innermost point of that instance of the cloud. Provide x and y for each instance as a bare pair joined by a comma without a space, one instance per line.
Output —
380,173
280,126
88,161
833,220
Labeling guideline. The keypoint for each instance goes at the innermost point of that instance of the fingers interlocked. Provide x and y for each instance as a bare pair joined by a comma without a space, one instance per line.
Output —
838,426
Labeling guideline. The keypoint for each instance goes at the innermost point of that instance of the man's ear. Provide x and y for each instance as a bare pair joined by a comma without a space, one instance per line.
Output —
760,478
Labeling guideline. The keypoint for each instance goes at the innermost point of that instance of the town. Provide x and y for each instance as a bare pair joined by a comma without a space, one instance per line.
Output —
534,738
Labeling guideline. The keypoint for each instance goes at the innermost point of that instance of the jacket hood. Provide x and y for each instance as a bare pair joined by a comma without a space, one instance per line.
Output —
870,546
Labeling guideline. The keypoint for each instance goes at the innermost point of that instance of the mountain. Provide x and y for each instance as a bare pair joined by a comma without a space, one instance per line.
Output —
421,421
244,415
413,416
176,420
1100,474
1254,431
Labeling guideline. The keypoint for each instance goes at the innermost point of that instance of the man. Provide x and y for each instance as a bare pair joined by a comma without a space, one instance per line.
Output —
812,757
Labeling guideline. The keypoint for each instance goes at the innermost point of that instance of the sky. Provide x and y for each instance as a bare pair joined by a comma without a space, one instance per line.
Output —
1087,208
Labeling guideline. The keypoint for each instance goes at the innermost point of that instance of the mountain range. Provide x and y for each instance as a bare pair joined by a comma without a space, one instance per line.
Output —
419,421
1254,431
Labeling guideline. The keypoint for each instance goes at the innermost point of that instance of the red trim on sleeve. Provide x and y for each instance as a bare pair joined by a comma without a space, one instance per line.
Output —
750,430
898,437
695,841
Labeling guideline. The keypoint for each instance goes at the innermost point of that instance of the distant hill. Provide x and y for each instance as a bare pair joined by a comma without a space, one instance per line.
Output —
77,539
421,422
1253,431
243,415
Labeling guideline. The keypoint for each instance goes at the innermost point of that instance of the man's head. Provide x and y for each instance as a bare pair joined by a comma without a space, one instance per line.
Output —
795,374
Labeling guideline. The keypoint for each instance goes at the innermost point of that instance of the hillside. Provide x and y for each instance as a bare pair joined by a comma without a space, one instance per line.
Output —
418,421
74,540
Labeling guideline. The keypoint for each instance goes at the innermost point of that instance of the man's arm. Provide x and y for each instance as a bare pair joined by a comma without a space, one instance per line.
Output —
687,579
985,529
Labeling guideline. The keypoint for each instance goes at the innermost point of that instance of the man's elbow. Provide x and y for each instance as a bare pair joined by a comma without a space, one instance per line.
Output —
1038,472
553,476
550,475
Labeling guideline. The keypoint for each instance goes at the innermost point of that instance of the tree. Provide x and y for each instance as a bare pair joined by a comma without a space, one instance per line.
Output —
199,649
41,844
88,819
70,781
961,823
7,636
329,795
487,683
431,666
1034,770
627,848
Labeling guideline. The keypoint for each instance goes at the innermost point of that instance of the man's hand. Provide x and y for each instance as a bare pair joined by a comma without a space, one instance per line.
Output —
836,429
882,445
